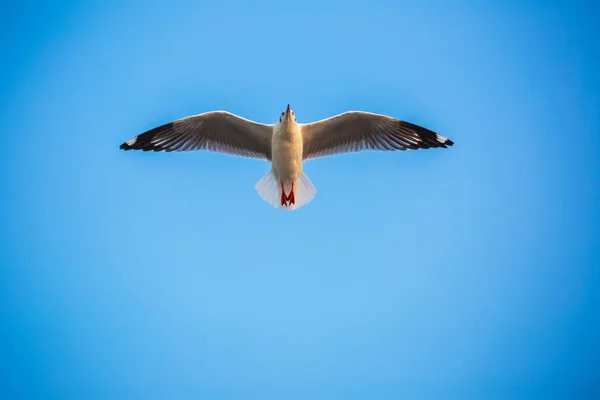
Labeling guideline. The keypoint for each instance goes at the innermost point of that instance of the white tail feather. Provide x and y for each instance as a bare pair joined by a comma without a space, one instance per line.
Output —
304,191
270,191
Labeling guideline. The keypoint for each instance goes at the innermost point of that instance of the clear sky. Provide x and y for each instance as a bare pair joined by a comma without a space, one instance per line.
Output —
468,272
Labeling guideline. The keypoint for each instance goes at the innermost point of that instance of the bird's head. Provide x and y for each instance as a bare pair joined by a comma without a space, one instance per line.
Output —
287,115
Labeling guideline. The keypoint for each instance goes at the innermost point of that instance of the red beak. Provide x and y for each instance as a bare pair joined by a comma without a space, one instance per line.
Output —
288,109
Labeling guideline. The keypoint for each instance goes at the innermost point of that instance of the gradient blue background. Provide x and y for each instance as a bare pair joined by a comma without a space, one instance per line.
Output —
471,272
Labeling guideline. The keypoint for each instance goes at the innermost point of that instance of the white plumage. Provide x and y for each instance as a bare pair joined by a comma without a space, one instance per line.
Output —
286,144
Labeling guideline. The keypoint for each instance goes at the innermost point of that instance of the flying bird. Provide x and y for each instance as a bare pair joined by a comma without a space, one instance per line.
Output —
286,144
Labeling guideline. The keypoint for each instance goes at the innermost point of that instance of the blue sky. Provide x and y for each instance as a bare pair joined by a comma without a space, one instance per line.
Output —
469,272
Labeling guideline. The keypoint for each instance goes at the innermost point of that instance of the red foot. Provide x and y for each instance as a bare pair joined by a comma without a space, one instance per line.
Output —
291,197
285,198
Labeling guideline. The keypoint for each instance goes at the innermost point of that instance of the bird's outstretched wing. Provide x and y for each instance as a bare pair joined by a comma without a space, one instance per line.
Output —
218,131
356,130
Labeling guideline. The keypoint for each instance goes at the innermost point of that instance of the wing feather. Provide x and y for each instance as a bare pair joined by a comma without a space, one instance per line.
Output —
218,131
357,130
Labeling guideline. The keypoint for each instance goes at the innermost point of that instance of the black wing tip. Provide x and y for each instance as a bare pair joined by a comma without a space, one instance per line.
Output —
150,147
434,139
144,141
129,145
143,147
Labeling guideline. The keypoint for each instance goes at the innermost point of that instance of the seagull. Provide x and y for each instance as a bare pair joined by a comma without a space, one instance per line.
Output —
287,144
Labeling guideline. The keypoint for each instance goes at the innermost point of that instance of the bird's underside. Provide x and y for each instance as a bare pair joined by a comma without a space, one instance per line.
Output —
225,132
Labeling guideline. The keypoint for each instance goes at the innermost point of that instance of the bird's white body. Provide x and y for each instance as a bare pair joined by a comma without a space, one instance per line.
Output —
287,144
286,147
286,177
